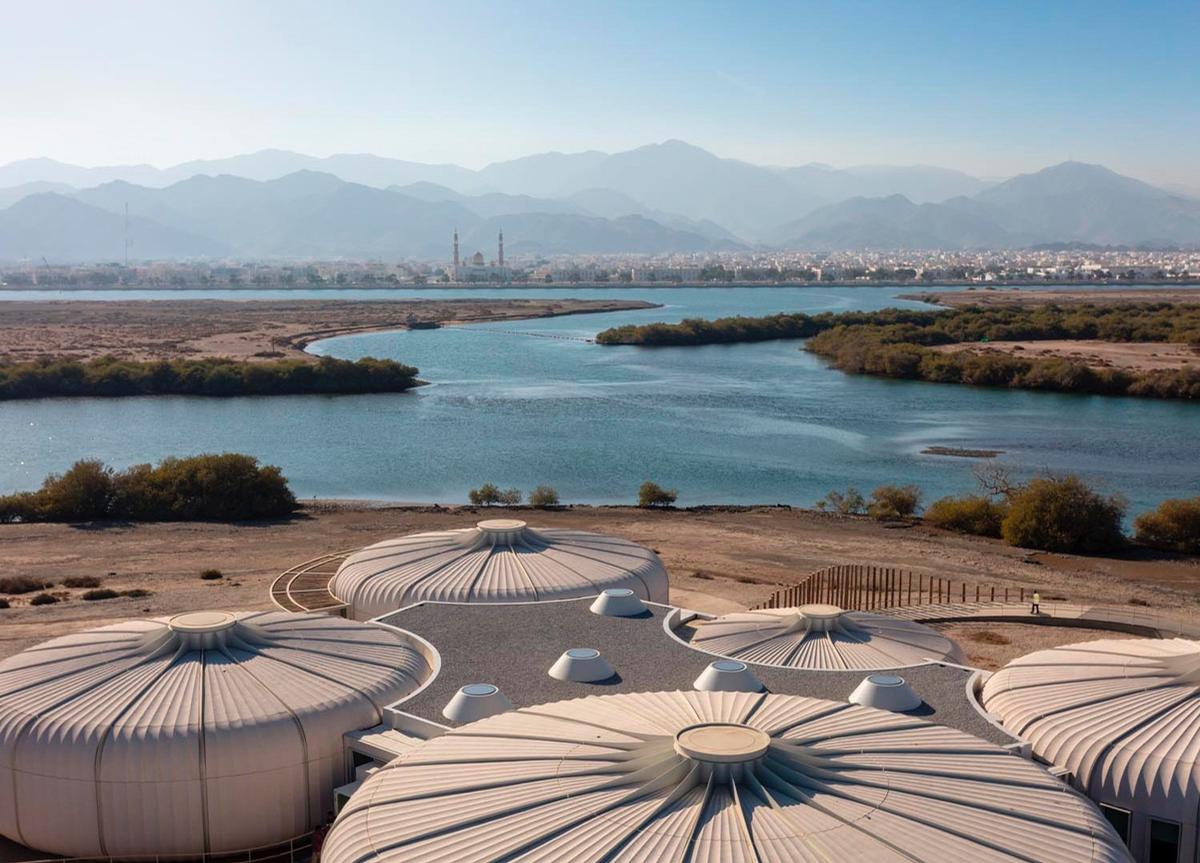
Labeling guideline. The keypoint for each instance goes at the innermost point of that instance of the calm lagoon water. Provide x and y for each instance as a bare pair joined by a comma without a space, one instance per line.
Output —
760,423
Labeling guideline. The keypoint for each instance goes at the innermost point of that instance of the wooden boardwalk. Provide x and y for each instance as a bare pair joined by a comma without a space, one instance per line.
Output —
305,587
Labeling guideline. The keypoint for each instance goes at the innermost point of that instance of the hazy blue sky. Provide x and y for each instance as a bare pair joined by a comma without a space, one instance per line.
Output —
989,87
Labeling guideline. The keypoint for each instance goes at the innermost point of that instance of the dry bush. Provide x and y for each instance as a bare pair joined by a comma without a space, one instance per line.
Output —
894,501
1175,525
973,514
651,494
14,584
82,581
988,636
1063,514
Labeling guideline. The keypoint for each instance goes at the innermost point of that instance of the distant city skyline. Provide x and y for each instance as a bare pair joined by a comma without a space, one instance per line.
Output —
989,89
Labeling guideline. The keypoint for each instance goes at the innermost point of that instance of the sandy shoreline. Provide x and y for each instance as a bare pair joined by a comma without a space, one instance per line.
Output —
244,329
719,558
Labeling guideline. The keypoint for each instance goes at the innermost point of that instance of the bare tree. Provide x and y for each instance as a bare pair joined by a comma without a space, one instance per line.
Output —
995,479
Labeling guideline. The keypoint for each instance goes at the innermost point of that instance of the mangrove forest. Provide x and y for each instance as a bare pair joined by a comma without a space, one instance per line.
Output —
903,343
111,376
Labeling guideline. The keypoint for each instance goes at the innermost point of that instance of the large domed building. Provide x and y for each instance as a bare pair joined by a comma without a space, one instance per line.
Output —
1122,718
823,637
715,777
499,560
202,733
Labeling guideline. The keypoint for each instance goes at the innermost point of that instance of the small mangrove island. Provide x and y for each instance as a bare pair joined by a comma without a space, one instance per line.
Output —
992,346
113,377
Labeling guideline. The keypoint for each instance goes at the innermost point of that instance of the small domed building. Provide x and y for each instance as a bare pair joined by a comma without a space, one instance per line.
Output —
715,777
1122,718
499,560
823,637
202,733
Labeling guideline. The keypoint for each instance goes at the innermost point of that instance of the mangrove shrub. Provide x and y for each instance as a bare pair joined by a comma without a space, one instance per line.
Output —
1063,514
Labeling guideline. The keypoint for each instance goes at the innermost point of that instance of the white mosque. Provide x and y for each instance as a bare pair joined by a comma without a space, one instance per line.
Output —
477,269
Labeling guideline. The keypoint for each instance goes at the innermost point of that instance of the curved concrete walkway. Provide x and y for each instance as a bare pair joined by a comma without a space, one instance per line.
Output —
1132,619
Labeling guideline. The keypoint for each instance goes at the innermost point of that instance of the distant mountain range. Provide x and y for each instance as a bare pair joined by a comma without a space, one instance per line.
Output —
1067,203
669,197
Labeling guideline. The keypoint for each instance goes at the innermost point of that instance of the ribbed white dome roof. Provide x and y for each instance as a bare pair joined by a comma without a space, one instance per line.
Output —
501,560
714,777
1122,715
823,637
204,732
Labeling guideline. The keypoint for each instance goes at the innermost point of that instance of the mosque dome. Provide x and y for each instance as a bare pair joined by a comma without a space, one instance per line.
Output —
823,637
714,776
202,733
500,560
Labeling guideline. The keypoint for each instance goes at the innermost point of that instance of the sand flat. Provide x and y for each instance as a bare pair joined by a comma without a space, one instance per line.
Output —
1059,296
1132,356
245,329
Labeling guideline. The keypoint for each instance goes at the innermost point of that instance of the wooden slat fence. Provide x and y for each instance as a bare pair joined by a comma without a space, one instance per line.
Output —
864,588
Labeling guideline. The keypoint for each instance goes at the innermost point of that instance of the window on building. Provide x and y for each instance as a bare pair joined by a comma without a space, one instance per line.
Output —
1164,842
1119,819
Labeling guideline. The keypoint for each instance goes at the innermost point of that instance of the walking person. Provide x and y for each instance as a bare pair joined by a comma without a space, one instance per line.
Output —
1036,607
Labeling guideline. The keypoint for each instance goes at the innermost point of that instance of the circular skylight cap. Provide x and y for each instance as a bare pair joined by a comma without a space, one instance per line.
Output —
202,629
500,530
581,665
202,621
476,701
727,675
886,692
820,617
618,602
722,743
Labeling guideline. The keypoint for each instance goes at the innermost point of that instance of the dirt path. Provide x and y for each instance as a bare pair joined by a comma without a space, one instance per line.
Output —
718,560
245,330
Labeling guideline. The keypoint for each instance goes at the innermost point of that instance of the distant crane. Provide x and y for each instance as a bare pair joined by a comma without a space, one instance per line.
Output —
127,235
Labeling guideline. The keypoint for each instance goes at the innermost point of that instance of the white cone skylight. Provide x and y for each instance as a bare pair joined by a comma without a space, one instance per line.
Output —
476,701
727,675
581,665
886,692
618,602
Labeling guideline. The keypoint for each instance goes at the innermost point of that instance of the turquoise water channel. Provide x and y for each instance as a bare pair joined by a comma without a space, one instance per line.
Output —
528,402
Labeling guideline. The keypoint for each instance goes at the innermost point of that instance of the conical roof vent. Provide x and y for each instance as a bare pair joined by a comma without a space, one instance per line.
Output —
498,560
886,692
206,732
727,675
714,776
823,637
618,602
582,665
1122,715
476,701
